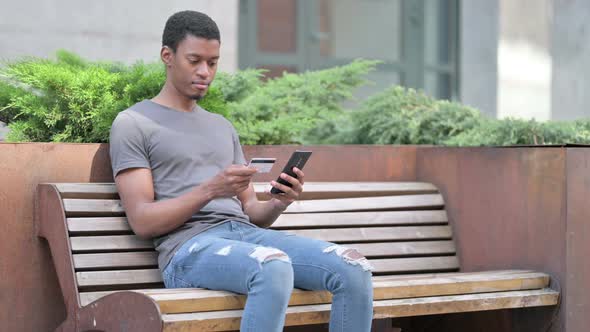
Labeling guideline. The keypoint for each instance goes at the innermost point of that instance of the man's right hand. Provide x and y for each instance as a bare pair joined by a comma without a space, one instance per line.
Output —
231,181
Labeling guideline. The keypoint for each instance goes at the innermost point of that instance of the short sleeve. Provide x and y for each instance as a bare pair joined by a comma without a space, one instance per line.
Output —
239,158
127,145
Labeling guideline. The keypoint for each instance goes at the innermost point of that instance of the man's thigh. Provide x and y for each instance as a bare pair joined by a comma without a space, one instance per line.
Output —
314,261
216,263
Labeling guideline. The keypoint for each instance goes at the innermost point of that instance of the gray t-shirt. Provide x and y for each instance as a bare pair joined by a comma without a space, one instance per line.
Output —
182,149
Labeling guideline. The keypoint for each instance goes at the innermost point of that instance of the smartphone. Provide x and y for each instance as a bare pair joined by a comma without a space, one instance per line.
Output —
262,165
298,159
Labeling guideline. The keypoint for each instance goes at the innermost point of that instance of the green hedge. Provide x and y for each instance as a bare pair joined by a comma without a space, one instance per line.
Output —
70,99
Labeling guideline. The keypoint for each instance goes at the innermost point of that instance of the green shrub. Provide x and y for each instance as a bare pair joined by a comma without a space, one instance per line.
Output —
523,132
70,99
293,108
405,116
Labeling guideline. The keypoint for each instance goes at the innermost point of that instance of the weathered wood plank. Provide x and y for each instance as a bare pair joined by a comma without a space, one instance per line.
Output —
93,207
414,265
196,300
368,203
90,207
287,221
348,219
313,190
98,225
106,243
122,277
320,313
377,233
118,260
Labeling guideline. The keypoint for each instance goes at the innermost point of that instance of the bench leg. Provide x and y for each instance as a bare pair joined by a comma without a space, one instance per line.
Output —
384,325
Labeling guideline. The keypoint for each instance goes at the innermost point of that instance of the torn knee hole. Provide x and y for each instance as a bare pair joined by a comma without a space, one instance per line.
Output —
265,254
351,256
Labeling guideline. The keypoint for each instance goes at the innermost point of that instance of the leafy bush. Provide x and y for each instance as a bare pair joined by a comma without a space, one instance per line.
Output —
406,116
293,108
73,100
523,132
70,99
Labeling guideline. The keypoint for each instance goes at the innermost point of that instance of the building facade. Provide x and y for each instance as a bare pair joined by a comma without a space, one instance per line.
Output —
508,58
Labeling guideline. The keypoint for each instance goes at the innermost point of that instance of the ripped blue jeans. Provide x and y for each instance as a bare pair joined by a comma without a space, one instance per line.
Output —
266,265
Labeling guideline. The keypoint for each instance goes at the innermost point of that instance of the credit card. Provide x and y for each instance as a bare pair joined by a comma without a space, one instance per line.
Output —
263,165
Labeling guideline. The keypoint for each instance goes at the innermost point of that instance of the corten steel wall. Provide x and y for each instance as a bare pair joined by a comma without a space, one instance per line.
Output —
30,298
577,299
509,208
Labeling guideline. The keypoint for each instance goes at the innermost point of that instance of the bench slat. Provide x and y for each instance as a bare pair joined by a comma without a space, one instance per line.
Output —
118,260
121,277
350,235
98,225
105,243
349,219
320,313
367,203
178,300
313,190
144,259
414,265
97,207
390,265
377,233
287,221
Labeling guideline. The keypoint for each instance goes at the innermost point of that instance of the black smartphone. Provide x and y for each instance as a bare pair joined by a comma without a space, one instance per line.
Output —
298,159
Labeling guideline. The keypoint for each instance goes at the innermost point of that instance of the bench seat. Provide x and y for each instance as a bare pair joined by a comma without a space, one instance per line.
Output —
401,227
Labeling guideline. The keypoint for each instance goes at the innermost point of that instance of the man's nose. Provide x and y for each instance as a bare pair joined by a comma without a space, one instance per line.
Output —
203,70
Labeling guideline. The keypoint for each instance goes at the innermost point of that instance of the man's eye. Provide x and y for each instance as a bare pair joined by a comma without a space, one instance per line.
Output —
212,64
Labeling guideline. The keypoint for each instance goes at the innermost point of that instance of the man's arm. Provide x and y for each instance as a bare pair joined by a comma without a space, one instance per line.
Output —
149,218
266,213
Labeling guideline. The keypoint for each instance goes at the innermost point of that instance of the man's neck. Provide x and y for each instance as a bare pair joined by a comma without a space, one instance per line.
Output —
170,97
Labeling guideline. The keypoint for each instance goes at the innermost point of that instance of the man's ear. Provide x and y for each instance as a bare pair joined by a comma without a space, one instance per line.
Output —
166,55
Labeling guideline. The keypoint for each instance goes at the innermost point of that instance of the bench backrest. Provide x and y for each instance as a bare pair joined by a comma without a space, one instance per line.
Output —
400,227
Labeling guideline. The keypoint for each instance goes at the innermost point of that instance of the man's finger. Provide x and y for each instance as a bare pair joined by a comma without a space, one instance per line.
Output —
300,174
241,170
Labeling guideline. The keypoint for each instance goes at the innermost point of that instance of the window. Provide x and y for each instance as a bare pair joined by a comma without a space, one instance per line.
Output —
415,39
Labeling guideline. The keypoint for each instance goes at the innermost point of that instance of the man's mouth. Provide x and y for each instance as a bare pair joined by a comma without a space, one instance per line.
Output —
200,85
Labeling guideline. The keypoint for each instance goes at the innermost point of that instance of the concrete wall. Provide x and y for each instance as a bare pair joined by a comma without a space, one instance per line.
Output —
127,31
571,59
524,59
478,43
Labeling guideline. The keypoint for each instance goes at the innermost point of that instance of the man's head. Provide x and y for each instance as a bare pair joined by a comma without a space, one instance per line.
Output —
190,50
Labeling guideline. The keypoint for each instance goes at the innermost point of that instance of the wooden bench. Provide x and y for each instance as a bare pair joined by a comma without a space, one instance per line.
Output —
110,281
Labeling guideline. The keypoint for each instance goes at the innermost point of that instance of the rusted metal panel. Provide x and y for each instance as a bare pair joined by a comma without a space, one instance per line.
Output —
507,206
343,162
577,293
30,296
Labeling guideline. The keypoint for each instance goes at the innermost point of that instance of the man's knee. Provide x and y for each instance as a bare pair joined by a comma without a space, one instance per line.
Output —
275,273
350,256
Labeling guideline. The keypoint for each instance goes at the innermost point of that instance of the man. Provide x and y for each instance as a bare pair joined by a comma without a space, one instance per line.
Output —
180,173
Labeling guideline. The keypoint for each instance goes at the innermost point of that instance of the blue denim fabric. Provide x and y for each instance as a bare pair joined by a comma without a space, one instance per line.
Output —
266,265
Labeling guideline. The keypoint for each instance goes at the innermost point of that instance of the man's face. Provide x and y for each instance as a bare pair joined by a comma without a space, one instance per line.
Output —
192,67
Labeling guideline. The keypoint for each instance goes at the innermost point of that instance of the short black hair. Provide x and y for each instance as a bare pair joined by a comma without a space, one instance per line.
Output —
188,22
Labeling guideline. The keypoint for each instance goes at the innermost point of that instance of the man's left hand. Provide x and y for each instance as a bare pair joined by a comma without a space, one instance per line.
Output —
290,194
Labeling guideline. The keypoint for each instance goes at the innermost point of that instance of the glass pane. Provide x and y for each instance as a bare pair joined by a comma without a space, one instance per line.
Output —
438,17
438,85
351,29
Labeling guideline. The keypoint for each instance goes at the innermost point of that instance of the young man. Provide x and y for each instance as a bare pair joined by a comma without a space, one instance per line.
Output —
180,173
